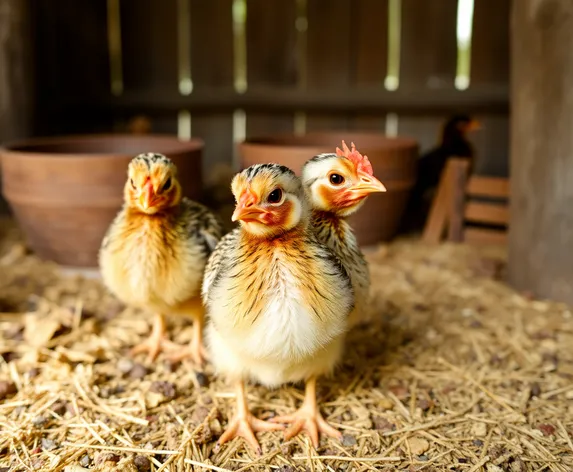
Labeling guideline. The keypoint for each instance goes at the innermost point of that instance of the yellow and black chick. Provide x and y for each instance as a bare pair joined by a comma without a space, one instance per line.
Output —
156,249
278,301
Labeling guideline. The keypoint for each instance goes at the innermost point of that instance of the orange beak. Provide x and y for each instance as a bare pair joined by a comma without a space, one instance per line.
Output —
474,125
367,184
147,197
246,209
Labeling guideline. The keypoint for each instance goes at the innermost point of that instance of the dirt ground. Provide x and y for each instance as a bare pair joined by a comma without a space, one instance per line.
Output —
457,372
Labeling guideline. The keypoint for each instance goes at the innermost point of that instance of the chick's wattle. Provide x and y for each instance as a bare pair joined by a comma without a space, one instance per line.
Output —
337,185
278,300
154,253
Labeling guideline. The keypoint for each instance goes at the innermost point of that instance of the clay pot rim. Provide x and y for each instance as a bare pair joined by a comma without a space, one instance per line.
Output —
289,140
27,148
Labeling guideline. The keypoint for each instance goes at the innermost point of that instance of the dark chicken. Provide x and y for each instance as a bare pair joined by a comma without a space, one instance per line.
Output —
454,142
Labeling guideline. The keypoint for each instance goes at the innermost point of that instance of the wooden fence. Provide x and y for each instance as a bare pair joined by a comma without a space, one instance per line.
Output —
202,67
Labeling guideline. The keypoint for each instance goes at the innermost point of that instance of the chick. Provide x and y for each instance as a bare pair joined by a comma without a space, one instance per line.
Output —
337,185
278,301
155,251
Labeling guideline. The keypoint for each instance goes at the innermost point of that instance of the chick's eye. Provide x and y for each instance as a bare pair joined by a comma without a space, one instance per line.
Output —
166,185
336,179
275,196
132,183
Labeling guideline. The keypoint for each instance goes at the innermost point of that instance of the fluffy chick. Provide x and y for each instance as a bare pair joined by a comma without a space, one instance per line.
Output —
278,301
337,185
155,251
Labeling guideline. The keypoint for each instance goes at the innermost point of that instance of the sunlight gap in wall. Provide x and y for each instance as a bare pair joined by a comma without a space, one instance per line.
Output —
114,47
240,45
184,125
184,65
392,80
464,40
184,46
301,27
239,11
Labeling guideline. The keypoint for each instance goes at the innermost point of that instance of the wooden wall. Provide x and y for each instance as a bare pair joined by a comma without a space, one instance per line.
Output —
329,75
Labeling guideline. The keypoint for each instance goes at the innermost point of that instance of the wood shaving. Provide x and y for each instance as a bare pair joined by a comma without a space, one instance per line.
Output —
456,371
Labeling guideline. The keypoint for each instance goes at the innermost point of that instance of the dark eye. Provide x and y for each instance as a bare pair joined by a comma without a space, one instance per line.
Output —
166,185
132,183
336,179
275,196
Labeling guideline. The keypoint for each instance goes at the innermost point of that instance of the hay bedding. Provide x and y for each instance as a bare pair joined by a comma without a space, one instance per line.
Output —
457,373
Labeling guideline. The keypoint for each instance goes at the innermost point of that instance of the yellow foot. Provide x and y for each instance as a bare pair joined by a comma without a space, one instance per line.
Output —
245,426
195,351
310,420
153,345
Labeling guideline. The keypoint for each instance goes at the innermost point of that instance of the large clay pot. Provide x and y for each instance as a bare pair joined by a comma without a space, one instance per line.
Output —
393,160
65,191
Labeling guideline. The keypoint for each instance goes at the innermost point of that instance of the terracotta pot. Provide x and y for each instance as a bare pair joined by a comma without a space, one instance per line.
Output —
393,160
65,191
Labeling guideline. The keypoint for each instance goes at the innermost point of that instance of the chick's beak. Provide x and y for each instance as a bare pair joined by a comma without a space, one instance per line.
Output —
367,184
147,195
246,210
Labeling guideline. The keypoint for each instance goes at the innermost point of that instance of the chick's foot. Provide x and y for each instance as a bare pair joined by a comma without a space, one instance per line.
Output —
156,342
244,424
308,418
195,350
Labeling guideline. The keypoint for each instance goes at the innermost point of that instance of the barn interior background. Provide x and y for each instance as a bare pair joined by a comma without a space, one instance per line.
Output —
463,372
224,70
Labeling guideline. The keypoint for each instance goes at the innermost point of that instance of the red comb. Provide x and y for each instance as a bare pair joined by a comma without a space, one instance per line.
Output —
361,162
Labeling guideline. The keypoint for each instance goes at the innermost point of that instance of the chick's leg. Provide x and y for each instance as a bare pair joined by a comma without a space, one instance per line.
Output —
244,424
308,418
153,344
195,350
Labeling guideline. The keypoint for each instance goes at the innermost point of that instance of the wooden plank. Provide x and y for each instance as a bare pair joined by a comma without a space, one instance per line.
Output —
271,59
490,42
487,213
328,54
495,187
438,217
458,169
211,44
369,54
490,65
413,102
485,236
428,61
261,124
212,24
71,53
149,53
149,45
15,79
217,132
541,221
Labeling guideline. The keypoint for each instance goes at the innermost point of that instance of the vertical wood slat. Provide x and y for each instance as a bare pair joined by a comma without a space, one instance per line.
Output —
211,66
428,59
15,76
369,52
71,58
328,54
149,52
459,170
490,66
271,58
